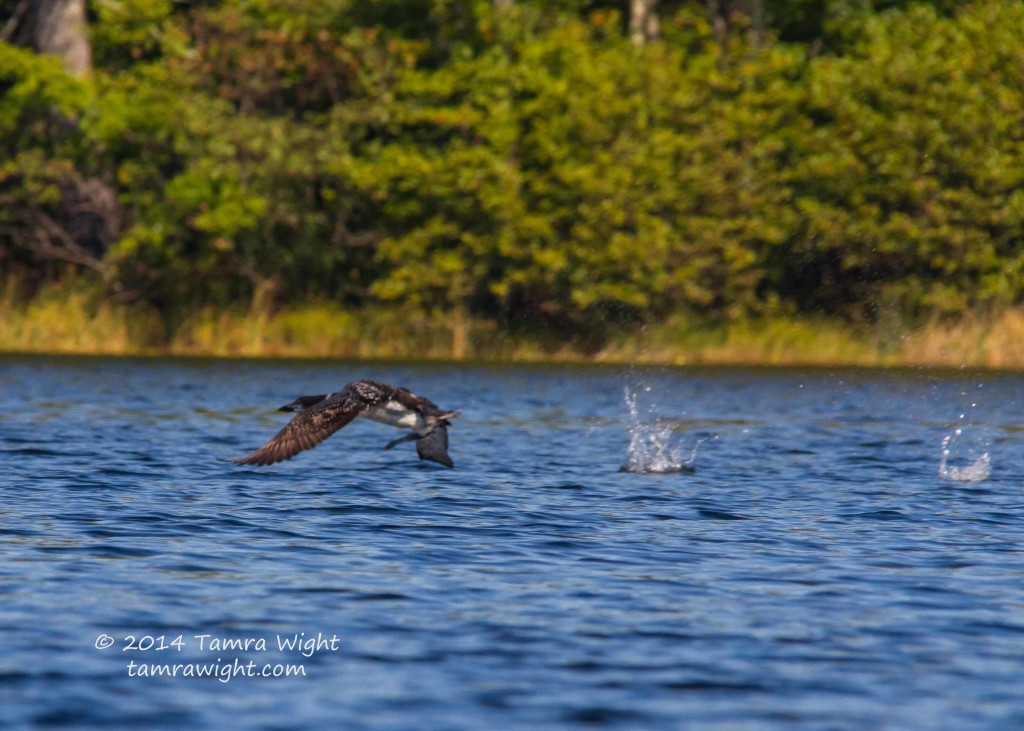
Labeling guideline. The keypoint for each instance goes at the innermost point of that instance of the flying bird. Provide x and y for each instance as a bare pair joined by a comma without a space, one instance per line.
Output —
320,416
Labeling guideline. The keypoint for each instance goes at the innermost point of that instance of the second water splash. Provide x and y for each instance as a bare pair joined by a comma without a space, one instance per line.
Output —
651,447
965,455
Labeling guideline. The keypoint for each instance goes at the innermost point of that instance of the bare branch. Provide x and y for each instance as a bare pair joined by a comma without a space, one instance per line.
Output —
342,235
12,24
52,241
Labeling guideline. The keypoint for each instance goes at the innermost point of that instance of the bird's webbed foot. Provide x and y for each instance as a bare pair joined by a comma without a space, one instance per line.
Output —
396,442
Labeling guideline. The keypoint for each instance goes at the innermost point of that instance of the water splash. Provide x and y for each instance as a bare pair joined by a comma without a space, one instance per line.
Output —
975,463
975,470
651,447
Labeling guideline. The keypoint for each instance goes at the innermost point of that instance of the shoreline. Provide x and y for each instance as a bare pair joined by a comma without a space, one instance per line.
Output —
894,367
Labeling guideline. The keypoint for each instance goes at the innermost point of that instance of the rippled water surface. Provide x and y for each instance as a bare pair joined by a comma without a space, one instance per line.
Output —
815,571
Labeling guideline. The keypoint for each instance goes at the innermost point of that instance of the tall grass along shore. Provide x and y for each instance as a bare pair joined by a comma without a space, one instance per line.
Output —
70,320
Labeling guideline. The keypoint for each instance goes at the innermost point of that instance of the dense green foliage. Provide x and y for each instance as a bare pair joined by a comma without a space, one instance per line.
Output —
531,166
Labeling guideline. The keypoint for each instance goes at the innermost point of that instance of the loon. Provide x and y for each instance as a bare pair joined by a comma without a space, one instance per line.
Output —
320,416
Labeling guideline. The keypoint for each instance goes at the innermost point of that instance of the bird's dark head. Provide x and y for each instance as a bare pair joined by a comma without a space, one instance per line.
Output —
303,402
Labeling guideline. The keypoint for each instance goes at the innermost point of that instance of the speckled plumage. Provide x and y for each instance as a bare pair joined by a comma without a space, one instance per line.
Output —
321,416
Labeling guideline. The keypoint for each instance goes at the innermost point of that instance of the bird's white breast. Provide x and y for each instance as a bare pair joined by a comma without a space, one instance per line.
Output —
394,414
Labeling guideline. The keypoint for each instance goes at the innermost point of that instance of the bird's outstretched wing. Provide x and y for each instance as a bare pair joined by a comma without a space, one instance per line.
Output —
305,431
317,422
434,446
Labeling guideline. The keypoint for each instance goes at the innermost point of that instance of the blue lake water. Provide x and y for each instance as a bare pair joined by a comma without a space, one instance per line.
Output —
815,572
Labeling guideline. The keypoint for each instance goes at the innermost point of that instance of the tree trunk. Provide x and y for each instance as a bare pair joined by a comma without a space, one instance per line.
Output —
59,29
755,9
643,21
79,227
460,332
719,12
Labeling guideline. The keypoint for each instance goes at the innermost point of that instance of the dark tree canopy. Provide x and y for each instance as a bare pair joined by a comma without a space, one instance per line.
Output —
523,162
